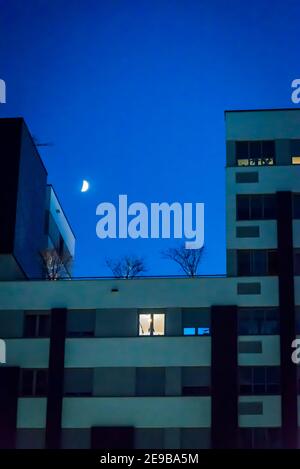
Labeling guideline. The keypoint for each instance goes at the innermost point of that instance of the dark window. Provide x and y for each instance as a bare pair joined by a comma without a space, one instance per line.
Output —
195,380
246,177
244,262
243,207
256,207
260,438
297,314
296,206
298,379
37,325
247,231
250,408
272,262
30,325
269,207
242,150
255,149
247,288
81,323
256,262
61,246
150,381
27,382
41,383
297,261
34,382
258,321
259,380
250,347
78,381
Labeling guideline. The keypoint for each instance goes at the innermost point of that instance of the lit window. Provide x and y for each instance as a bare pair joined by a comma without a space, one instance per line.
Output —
295,159
196,331
203,331
189,331
151,324
255,153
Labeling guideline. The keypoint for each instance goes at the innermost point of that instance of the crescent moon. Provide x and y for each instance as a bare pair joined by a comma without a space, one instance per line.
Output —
85,186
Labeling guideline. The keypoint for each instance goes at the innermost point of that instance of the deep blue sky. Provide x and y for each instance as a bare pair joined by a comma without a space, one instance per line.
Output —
132,95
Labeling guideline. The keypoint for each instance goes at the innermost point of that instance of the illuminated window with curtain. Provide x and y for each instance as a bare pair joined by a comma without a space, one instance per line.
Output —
151,324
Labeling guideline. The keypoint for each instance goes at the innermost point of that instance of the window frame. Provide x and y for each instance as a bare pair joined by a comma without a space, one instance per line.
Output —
250,159
151,334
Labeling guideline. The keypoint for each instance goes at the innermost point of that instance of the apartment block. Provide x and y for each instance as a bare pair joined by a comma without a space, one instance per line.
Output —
182,363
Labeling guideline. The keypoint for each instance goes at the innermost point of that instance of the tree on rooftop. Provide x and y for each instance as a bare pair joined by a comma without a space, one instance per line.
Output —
56,265
126,266
187,259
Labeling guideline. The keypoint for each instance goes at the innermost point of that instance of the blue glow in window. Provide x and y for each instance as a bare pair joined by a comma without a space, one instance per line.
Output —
203,331
189,331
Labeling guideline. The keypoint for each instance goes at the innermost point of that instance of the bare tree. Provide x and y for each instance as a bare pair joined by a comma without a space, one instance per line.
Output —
126,266
188,259
56,266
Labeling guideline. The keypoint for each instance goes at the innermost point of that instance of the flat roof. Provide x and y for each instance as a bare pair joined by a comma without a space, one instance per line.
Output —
263,110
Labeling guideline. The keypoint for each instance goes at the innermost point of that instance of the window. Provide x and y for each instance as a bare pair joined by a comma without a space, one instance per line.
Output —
36,325
246,288
296,206
254,346
196,321
34,382
78,381
80,323
256,262
297,315
260,438
298,379
295,151
150,381
250,408
196,331
247,231
297,261
258,321
255,152
259,380
256,207
151,324
195,380
246,177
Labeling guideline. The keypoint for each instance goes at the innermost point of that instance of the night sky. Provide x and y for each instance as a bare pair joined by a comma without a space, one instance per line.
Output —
132,95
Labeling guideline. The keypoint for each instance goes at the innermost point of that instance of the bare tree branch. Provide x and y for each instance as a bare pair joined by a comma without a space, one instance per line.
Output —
55,265
187,259
127,266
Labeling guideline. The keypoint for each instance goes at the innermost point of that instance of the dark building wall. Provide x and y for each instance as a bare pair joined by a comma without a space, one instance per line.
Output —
287,319
10,144
224,372
9,387
31,200
56,378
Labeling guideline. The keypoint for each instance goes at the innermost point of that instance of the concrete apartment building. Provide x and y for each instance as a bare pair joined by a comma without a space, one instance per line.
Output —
171,362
